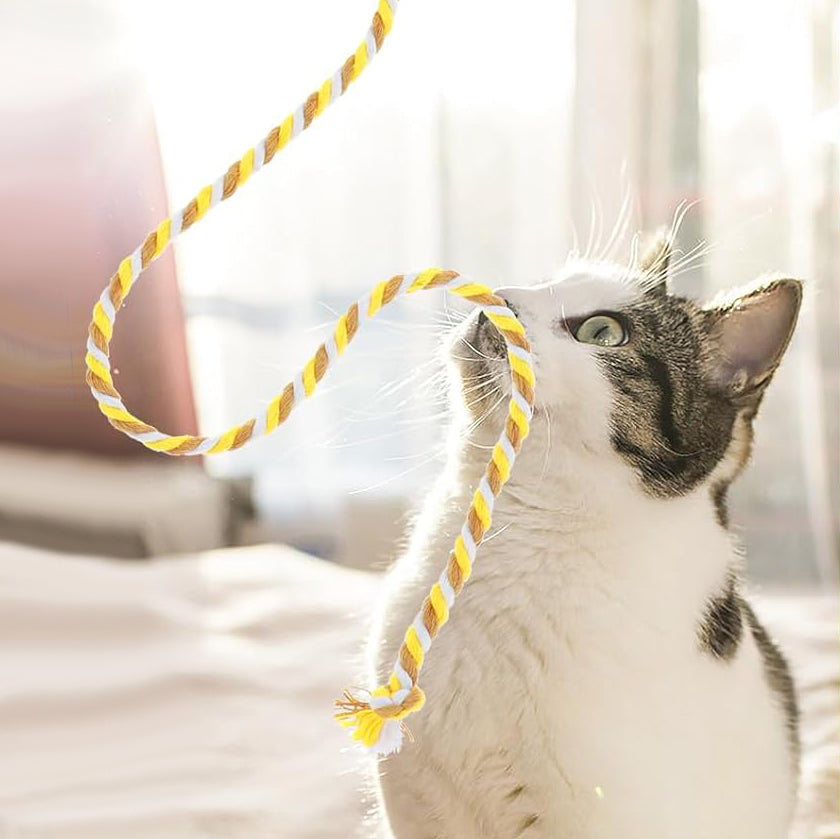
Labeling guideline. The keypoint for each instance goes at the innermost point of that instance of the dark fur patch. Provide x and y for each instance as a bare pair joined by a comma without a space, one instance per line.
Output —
527,823
677,397
722,625
719,492
668,421
515,792
778,676
658,373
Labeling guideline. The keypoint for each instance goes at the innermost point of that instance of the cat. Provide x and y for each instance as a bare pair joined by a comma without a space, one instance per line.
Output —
602,676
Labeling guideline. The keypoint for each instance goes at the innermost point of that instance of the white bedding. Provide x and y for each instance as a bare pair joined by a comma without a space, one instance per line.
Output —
187,698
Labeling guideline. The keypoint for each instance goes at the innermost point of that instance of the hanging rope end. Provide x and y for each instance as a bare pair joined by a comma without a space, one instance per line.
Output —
378,727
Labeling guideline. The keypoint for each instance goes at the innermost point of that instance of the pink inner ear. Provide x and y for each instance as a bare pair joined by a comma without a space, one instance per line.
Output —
754,335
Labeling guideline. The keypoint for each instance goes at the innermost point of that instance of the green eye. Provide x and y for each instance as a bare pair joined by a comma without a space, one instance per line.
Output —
603,331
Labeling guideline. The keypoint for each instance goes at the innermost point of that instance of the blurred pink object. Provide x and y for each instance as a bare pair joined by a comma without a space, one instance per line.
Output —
81,185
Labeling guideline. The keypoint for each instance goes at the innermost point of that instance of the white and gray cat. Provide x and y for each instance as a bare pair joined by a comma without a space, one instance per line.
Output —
601,676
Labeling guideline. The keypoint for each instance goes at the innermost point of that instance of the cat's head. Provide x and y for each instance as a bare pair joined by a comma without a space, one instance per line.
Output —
627,371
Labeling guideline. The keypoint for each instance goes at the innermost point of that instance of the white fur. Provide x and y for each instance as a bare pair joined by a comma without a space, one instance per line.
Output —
568,696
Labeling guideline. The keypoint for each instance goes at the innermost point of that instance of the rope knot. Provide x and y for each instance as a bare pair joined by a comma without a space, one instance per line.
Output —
399,704
377,723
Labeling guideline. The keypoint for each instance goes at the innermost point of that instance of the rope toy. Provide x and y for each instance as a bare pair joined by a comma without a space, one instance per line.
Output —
378,721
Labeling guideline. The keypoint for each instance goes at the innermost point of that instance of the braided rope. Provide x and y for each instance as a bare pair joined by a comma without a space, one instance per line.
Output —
377,722
101,329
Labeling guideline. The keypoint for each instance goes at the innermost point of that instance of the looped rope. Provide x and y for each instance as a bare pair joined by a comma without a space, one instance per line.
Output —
101,329
377,722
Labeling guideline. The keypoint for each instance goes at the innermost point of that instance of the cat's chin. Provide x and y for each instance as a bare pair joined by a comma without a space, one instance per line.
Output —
483,374
479,344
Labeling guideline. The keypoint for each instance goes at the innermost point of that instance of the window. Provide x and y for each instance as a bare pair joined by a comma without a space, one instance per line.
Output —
474,147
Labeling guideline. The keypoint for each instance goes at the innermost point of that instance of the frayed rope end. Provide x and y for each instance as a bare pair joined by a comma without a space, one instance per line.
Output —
379,729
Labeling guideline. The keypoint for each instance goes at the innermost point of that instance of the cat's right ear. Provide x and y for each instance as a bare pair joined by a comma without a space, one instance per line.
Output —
749,334
655,263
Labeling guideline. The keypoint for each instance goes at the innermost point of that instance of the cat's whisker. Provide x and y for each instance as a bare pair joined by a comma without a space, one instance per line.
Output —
683,208
619,230
574,251
476,424
432,452
391,478
477,387
590,236
700,249
333,443
473,358
477,381
681,454
492,534
478,352
490,394
564,319
547,456
634,254
390,389
472,377
596,245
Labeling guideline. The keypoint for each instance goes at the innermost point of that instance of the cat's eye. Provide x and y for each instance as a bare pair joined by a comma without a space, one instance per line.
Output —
603,331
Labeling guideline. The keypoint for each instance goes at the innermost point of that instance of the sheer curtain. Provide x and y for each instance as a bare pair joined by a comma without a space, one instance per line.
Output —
732,109
771,126
448,153
493,138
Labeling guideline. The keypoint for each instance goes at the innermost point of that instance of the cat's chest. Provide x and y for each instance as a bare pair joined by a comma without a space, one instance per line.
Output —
564,620
581,697
593,599
565,640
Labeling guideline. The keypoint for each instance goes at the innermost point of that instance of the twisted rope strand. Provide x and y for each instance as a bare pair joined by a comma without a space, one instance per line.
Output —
378,721
100,331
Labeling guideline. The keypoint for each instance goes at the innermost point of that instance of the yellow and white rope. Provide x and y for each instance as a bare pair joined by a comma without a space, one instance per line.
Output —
98,374
376,722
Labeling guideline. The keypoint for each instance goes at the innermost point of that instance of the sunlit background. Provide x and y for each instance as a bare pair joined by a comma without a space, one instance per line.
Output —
490,138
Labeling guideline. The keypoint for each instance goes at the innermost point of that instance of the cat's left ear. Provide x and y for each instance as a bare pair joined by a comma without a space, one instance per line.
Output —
749,335
655,263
